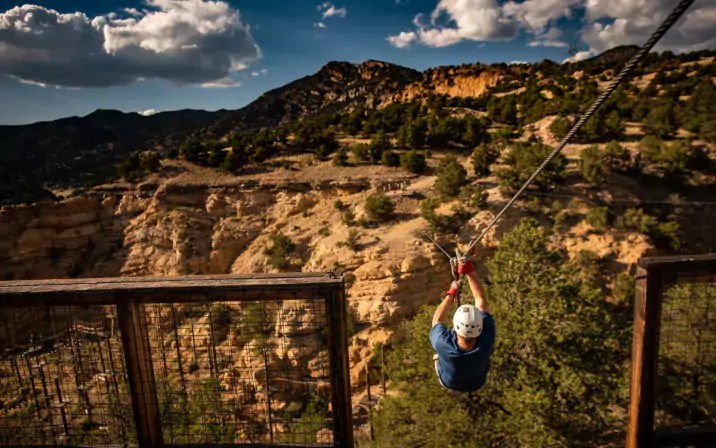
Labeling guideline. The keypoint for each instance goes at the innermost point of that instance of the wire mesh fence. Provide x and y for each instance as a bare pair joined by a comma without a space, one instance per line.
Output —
241,362
62,378
239,372
673,368
686,379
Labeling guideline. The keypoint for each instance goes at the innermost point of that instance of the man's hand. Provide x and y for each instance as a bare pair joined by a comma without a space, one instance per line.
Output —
454,290
466,266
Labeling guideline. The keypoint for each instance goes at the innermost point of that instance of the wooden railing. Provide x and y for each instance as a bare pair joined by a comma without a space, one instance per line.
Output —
196,360
673,381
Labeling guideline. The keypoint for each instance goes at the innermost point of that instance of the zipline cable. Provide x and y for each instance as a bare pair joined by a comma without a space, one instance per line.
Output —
643,51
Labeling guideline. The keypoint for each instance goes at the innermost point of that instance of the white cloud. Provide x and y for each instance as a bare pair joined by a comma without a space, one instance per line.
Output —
319,25
607,23
223,83
403,39
549,38
148,112
623,22
536,15
477,20
328,9
580,56
183,41
258,73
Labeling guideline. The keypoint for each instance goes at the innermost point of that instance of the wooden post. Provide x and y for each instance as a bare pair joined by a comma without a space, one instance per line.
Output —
338,364
645,350
140,375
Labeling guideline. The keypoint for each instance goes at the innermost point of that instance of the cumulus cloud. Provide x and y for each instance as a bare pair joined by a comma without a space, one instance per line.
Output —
403,39
148,112
549,38
183,41
606,24
328,9
623,22
453,21
319,25
223,83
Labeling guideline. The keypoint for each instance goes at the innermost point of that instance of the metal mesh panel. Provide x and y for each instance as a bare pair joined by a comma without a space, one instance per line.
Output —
242,372
686,381
62,377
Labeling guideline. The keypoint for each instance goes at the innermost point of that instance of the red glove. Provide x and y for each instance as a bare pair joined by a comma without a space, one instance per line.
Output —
465,267
454,289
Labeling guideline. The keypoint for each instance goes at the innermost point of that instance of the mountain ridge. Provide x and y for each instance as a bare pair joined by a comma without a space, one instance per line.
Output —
82,151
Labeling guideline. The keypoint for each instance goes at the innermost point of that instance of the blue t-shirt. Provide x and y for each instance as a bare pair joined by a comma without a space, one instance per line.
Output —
461,370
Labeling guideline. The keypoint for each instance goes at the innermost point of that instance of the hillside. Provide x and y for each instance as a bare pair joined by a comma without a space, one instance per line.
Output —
82,151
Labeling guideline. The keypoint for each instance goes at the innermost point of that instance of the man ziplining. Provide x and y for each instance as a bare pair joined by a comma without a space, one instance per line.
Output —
463,353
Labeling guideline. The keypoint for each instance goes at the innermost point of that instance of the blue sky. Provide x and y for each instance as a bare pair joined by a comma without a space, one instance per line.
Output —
141,64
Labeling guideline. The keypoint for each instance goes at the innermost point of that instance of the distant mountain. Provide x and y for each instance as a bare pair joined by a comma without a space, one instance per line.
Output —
83,150
615,55
335,86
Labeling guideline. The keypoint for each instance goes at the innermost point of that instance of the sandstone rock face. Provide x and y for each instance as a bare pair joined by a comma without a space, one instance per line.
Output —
186,228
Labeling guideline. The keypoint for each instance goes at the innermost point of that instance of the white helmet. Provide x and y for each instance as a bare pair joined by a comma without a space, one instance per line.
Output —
467,321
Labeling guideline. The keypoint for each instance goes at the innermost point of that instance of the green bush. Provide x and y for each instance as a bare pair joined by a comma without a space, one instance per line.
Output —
379,143
220,318
624,288
352,241
234,160
660,121
340,158
150,161
617,156
348,217
129,168
340,205
474,196
523,159
669,234
379,208
360,151
414,162
482,157
280,251
636,219
667,159
390,158
443,224
593,165
598,218
451,176
560,127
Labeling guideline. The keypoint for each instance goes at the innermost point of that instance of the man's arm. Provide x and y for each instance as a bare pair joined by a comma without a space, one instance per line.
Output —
442,310
478,291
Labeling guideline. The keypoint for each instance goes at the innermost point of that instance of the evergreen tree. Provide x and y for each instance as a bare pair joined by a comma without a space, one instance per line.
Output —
559,347
593,165
482,157
414,162
390,158
523,159
451,176
379,143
